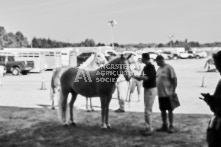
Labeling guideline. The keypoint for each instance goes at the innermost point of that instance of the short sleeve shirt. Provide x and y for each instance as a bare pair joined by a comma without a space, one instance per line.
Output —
150,71
164,84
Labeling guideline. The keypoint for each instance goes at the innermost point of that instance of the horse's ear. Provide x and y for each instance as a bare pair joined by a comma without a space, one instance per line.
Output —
129,56
122,56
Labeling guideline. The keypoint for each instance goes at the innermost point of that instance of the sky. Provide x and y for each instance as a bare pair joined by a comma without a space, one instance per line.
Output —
138,21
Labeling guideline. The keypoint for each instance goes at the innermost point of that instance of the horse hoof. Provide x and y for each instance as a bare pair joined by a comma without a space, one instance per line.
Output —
92,110
108,127
104,129
73,124
88,111
53,108
65,125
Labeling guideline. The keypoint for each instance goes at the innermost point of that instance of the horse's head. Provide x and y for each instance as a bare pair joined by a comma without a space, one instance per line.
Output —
125,66
100,59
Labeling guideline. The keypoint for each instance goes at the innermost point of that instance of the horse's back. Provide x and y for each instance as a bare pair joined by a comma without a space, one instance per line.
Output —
84,82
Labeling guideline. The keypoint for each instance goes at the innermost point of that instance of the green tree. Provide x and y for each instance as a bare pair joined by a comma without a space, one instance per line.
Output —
21,40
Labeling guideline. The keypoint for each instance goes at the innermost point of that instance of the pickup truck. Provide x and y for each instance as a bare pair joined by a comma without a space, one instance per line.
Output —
16,67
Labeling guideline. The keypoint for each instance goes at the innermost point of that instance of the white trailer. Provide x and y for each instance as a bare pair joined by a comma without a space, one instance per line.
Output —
26,54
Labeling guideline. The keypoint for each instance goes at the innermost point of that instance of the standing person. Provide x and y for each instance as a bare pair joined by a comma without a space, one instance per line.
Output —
149,83
214,102
166,87
121,85
134,83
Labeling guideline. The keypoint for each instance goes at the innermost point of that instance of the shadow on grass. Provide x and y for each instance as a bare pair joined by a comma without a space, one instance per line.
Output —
49,132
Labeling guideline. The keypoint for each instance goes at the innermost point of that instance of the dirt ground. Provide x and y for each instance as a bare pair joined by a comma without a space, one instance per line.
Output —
27,120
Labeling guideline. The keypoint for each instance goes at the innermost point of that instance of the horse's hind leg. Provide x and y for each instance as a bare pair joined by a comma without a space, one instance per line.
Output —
92,109
71,105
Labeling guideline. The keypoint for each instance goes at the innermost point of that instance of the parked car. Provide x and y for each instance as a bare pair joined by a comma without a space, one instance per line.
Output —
191,54
169,55
16,67
201,55
183,55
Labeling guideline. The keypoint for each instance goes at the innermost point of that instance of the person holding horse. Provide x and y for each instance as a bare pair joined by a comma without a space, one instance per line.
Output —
149,83
214,102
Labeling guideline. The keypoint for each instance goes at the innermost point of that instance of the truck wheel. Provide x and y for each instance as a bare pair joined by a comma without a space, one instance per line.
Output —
15,71
175,57
24,72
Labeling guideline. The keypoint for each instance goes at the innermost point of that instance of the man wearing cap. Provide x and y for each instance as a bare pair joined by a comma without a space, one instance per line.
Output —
166,86
149,83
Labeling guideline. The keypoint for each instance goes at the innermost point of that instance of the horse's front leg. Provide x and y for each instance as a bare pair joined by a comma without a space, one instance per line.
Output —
71,105
87,105
103,124
92,109
108,99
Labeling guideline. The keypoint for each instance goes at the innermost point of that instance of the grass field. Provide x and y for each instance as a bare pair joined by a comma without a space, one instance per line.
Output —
27,120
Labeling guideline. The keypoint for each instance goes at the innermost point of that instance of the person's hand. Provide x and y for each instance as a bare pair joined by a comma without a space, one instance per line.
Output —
132,74
207,97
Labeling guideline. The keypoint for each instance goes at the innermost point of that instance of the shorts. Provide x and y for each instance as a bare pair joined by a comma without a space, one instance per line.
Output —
165,104
135,83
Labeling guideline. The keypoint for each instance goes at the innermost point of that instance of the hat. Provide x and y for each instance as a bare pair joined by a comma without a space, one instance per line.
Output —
146,56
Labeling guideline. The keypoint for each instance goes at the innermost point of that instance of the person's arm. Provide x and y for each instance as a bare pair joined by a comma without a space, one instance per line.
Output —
173,78
174,82
150,74
214,101
215,104
141,77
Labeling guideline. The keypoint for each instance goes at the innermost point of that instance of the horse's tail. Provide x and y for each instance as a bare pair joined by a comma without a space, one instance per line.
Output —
62,106
52,89
55,82
51,94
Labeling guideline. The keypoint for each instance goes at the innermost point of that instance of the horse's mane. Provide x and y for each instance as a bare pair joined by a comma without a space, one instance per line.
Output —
88,61
114,60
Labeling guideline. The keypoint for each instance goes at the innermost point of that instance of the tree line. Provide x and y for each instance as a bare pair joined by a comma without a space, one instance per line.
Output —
18,40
